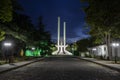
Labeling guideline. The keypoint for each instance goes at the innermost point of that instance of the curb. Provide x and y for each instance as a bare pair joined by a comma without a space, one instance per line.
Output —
110,67
10,69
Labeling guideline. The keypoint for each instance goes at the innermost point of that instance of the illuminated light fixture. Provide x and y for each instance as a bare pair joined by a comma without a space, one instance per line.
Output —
7,44
115,44
94,49
33,48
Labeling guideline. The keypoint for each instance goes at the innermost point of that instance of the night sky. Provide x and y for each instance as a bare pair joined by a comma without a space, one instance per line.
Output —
69,11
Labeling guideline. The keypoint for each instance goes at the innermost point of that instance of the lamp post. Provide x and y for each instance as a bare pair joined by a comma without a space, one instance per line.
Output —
8,53
115,45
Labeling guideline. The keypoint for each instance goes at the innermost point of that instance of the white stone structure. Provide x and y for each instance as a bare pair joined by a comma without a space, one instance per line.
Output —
101,50
61,42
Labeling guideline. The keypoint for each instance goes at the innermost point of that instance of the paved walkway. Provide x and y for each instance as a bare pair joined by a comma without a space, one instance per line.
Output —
62,68
109,64
8,67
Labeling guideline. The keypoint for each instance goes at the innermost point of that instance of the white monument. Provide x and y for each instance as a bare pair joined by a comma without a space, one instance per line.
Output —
61,42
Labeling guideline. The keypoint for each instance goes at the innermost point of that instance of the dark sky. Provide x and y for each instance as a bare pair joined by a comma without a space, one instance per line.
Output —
68,10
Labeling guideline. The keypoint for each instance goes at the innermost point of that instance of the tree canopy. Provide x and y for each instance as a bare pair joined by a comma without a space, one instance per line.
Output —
6,9
19,27
103,17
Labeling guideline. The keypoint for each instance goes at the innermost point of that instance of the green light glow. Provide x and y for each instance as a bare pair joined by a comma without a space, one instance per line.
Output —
28,53
36,52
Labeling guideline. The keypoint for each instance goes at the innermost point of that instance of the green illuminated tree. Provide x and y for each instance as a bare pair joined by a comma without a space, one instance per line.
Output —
42,37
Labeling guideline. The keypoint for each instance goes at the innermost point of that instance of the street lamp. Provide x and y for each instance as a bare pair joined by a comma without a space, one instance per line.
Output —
33,48
115,45
8,54
94,49
7,44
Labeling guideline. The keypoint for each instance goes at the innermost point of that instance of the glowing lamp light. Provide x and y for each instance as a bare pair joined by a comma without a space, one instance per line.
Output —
115,44
7,44
33,48
94,49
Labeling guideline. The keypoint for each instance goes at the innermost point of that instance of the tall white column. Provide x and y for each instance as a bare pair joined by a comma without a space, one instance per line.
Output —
58,31
64,33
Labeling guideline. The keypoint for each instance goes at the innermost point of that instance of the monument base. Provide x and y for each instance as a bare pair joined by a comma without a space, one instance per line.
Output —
61,50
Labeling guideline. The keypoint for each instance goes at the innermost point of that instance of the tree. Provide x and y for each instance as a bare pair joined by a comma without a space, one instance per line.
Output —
5,15
22,24
103,17
42,37
19,26
6,10
16,6
84,44
41,26
2,33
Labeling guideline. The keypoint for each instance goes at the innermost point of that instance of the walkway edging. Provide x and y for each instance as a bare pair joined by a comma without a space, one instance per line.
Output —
10,69
113,68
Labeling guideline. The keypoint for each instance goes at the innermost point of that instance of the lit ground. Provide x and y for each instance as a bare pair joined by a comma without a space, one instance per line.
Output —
61,68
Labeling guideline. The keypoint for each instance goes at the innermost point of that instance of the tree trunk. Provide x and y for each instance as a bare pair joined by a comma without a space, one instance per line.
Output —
108,42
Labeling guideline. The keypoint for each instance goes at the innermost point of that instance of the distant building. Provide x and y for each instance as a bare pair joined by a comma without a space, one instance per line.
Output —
101,51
